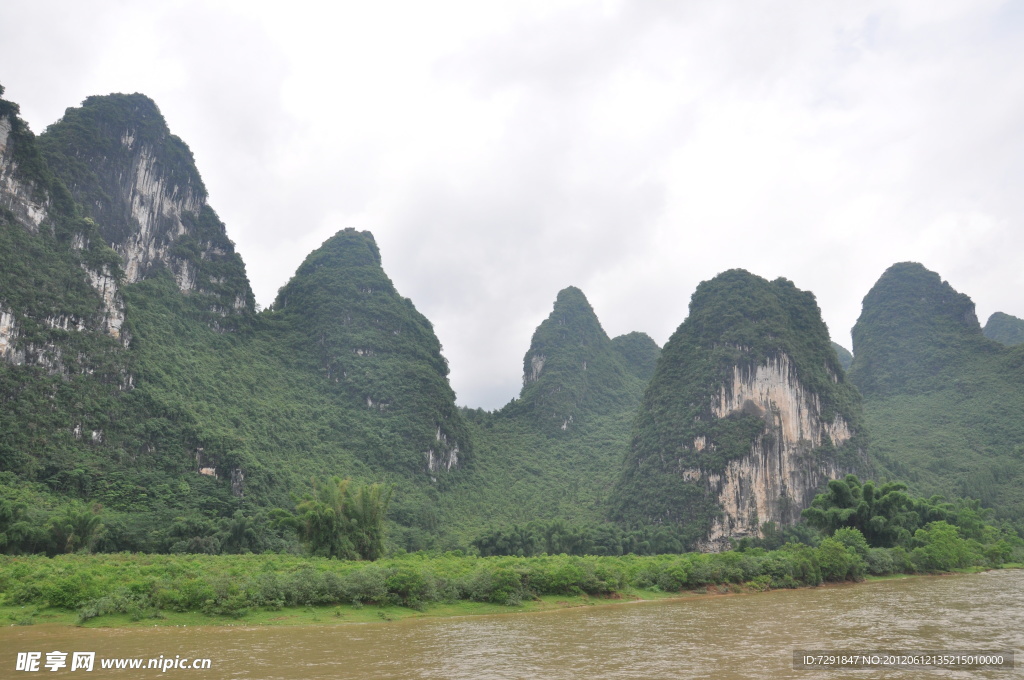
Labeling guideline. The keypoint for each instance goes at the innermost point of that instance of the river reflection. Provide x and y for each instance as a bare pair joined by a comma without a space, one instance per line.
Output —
740,636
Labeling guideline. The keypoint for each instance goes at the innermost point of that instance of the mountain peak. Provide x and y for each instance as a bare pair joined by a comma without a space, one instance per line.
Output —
1004,329
911,327
140,185
372,345
572,368
747,414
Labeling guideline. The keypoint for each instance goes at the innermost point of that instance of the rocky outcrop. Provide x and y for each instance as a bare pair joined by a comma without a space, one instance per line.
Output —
27,190
157,205
113,305
748,415
21,196
781,474
138,182
8,338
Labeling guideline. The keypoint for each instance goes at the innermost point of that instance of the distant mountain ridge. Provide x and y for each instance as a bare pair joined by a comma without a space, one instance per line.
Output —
136,373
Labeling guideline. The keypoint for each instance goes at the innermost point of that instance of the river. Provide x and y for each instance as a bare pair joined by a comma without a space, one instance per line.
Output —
724,637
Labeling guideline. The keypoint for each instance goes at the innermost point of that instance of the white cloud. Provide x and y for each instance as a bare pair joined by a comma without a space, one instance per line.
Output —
501,151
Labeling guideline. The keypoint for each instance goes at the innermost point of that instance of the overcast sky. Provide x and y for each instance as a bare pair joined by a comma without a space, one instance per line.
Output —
500,151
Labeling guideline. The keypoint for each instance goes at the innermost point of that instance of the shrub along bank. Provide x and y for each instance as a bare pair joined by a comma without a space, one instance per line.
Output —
142,586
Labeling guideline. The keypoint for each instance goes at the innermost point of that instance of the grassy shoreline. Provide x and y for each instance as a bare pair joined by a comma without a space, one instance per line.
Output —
344,613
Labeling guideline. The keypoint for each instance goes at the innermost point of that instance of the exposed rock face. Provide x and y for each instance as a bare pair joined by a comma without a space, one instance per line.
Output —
781,474
157,204
23,198
33,199
113,305
8,338
747,416
140,185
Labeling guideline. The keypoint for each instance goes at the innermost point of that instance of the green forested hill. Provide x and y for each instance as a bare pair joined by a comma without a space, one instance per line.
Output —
639,353
372,346
572,370
1004,329
554,453
845,358
940,399
153,388
138,383
737,322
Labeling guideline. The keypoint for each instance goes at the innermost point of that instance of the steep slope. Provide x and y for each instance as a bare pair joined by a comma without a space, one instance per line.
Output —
1004,329
139,183
61,312
845,358
940,399
372,345
554,452
118,382
747,415
572,368
912,331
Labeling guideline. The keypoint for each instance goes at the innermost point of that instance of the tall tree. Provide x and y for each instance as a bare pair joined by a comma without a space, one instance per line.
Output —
335,521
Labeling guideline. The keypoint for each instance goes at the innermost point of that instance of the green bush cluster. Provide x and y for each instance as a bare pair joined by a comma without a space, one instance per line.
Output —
145,585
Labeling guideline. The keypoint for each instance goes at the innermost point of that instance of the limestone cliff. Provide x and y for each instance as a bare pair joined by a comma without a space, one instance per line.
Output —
140,185
781,473
51,258
747,416
23,197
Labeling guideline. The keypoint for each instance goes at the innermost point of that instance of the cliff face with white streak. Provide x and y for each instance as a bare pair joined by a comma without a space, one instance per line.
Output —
139,183
24,199
747,417
781,474
36,209
156,204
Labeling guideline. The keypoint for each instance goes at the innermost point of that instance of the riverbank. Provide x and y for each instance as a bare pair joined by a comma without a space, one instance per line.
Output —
126,590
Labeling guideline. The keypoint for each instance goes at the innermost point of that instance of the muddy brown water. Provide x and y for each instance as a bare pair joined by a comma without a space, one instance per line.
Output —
724,637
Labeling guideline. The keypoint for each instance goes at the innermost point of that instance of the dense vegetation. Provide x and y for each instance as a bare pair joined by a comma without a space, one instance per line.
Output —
197,430
736,320
100,148
844,356
938,394
143,586
573,370
1005,329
